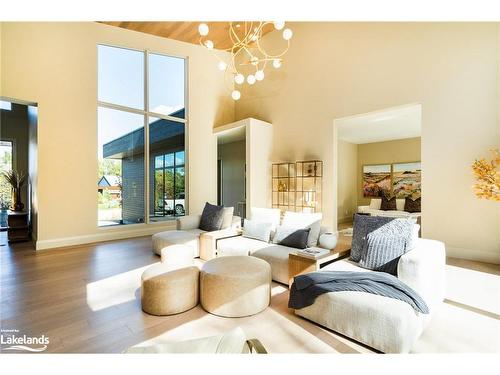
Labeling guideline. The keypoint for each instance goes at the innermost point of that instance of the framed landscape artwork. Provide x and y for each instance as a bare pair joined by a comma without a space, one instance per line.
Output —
376,179
406,180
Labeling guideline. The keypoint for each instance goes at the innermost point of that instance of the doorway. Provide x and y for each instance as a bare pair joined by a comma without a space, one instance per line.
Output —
18,152
378,154
231,176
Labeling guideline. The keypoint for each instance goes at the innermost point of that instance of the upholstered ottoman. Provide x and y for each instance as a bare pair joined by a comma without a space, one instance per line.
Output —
177,237
167,291
235,286
177,256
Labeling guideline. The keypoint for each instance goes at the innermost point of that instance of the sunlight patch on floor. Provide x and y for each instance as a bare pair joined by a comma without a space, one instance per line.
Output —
114,290
473,288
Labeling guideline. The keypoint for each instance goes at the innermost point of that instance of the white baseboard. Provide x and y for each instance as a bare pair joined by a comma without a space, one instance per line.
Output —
108,234
471,254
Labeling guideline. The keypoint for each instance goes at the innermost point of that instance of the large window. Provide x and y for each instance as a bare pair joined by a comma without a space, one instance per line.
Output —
141,112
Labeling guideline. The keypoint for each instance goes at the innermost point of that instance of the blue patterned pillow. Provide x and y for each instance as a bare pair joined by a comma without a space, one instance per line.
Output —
363,225
385,245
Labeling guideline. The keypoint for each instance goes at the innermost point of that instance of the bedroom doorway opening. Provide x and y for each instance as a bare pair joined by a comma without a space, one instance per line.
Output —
377,155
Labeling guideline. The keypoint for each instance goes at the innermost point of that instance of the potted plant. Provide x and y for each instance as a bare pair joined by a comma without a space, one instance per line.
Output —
16,181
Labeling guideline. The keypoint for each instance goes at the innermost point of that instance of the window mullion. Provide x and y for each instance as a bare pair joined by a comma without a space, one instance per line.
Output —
146,138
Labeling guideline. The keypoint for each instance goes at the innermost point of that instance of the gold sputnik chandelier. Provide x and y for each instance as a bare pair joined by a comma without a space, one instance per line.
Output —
247,51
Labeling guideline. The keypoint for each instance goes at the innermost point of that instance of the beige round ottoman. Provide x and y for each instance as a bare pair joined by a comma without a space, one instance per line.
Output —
167,291
235,286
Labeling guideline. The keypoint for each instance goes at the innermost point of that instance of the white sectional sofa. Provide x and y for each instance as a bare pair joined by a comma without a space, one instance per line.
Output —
276,255
383,323
374,209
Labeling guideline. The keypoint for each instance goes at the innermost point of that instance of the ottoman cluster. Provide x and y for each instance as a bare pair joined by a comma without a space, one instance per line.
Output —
231,287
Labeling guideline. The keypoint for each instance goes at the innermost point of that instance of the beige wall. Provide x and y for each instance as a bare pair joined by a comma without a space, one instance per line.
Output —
399,151
55,65
333,70
347,180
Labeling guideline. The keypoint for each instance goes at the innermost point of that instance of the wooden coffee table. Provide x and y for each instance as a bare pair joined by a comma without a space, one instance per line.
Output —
298,264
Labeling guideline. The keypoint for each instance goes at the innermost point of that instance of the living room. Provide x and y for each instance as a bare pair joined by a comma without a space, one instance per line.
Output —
226,163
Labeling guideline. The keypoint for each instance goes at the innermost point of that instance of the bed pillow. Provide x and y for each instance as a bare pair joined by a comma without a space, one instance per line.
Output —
375,203
211,217
364,224
412,205
297,239
257,230
388,204
304,220
384,246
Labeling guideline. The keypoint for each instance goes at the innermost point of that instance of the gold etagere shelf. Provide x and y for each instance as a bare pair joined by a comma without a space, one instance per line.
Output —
297,186
283,186
308,192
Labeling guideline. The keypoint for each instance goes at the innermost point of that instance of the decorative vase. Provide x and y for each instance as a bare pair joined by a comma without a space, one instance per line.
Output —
328,240
17,205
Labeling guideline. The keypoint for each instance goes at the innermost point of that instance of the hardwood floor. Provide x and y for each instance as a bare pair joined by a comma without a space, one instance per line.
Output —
86,299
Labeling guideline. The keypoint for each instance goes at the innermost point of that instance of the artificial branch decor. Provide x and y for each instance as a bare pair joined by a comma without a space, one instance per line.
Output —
16,180
487,175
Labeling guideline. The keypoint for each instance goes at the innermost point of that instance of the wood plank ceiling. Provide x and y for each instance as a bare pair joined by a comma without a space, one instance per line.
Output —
185,31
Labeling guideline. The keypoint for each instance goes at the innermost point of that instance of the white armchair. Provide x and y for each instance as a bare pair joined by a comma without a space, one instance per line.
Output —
188,233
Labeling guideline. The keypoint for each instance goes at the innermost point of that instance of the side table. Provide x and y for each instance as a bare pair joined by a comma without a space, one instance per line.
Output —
299,264
18,226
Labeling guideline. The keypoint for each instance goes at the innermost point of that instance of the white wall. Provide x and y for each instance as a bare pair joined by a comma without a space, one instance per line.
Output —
347,175
55,65
334,70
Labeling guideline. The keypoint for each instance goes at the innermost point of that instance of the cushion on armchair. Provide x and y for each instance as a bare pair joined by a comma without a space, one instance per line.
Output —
212,217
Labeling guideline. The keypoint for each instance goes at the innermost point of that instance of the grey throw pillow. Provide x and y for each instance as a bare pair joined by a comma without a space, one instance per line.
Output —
363,225
212,217
384,246
297,239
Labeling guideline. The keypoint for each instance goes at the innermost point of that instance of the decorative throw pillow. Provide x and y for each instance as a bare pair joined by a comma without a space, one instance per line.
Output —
296,239
304,220
283,231
266,215
388,204
211,217
257,230
412,205
364,224
227,217
384,246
